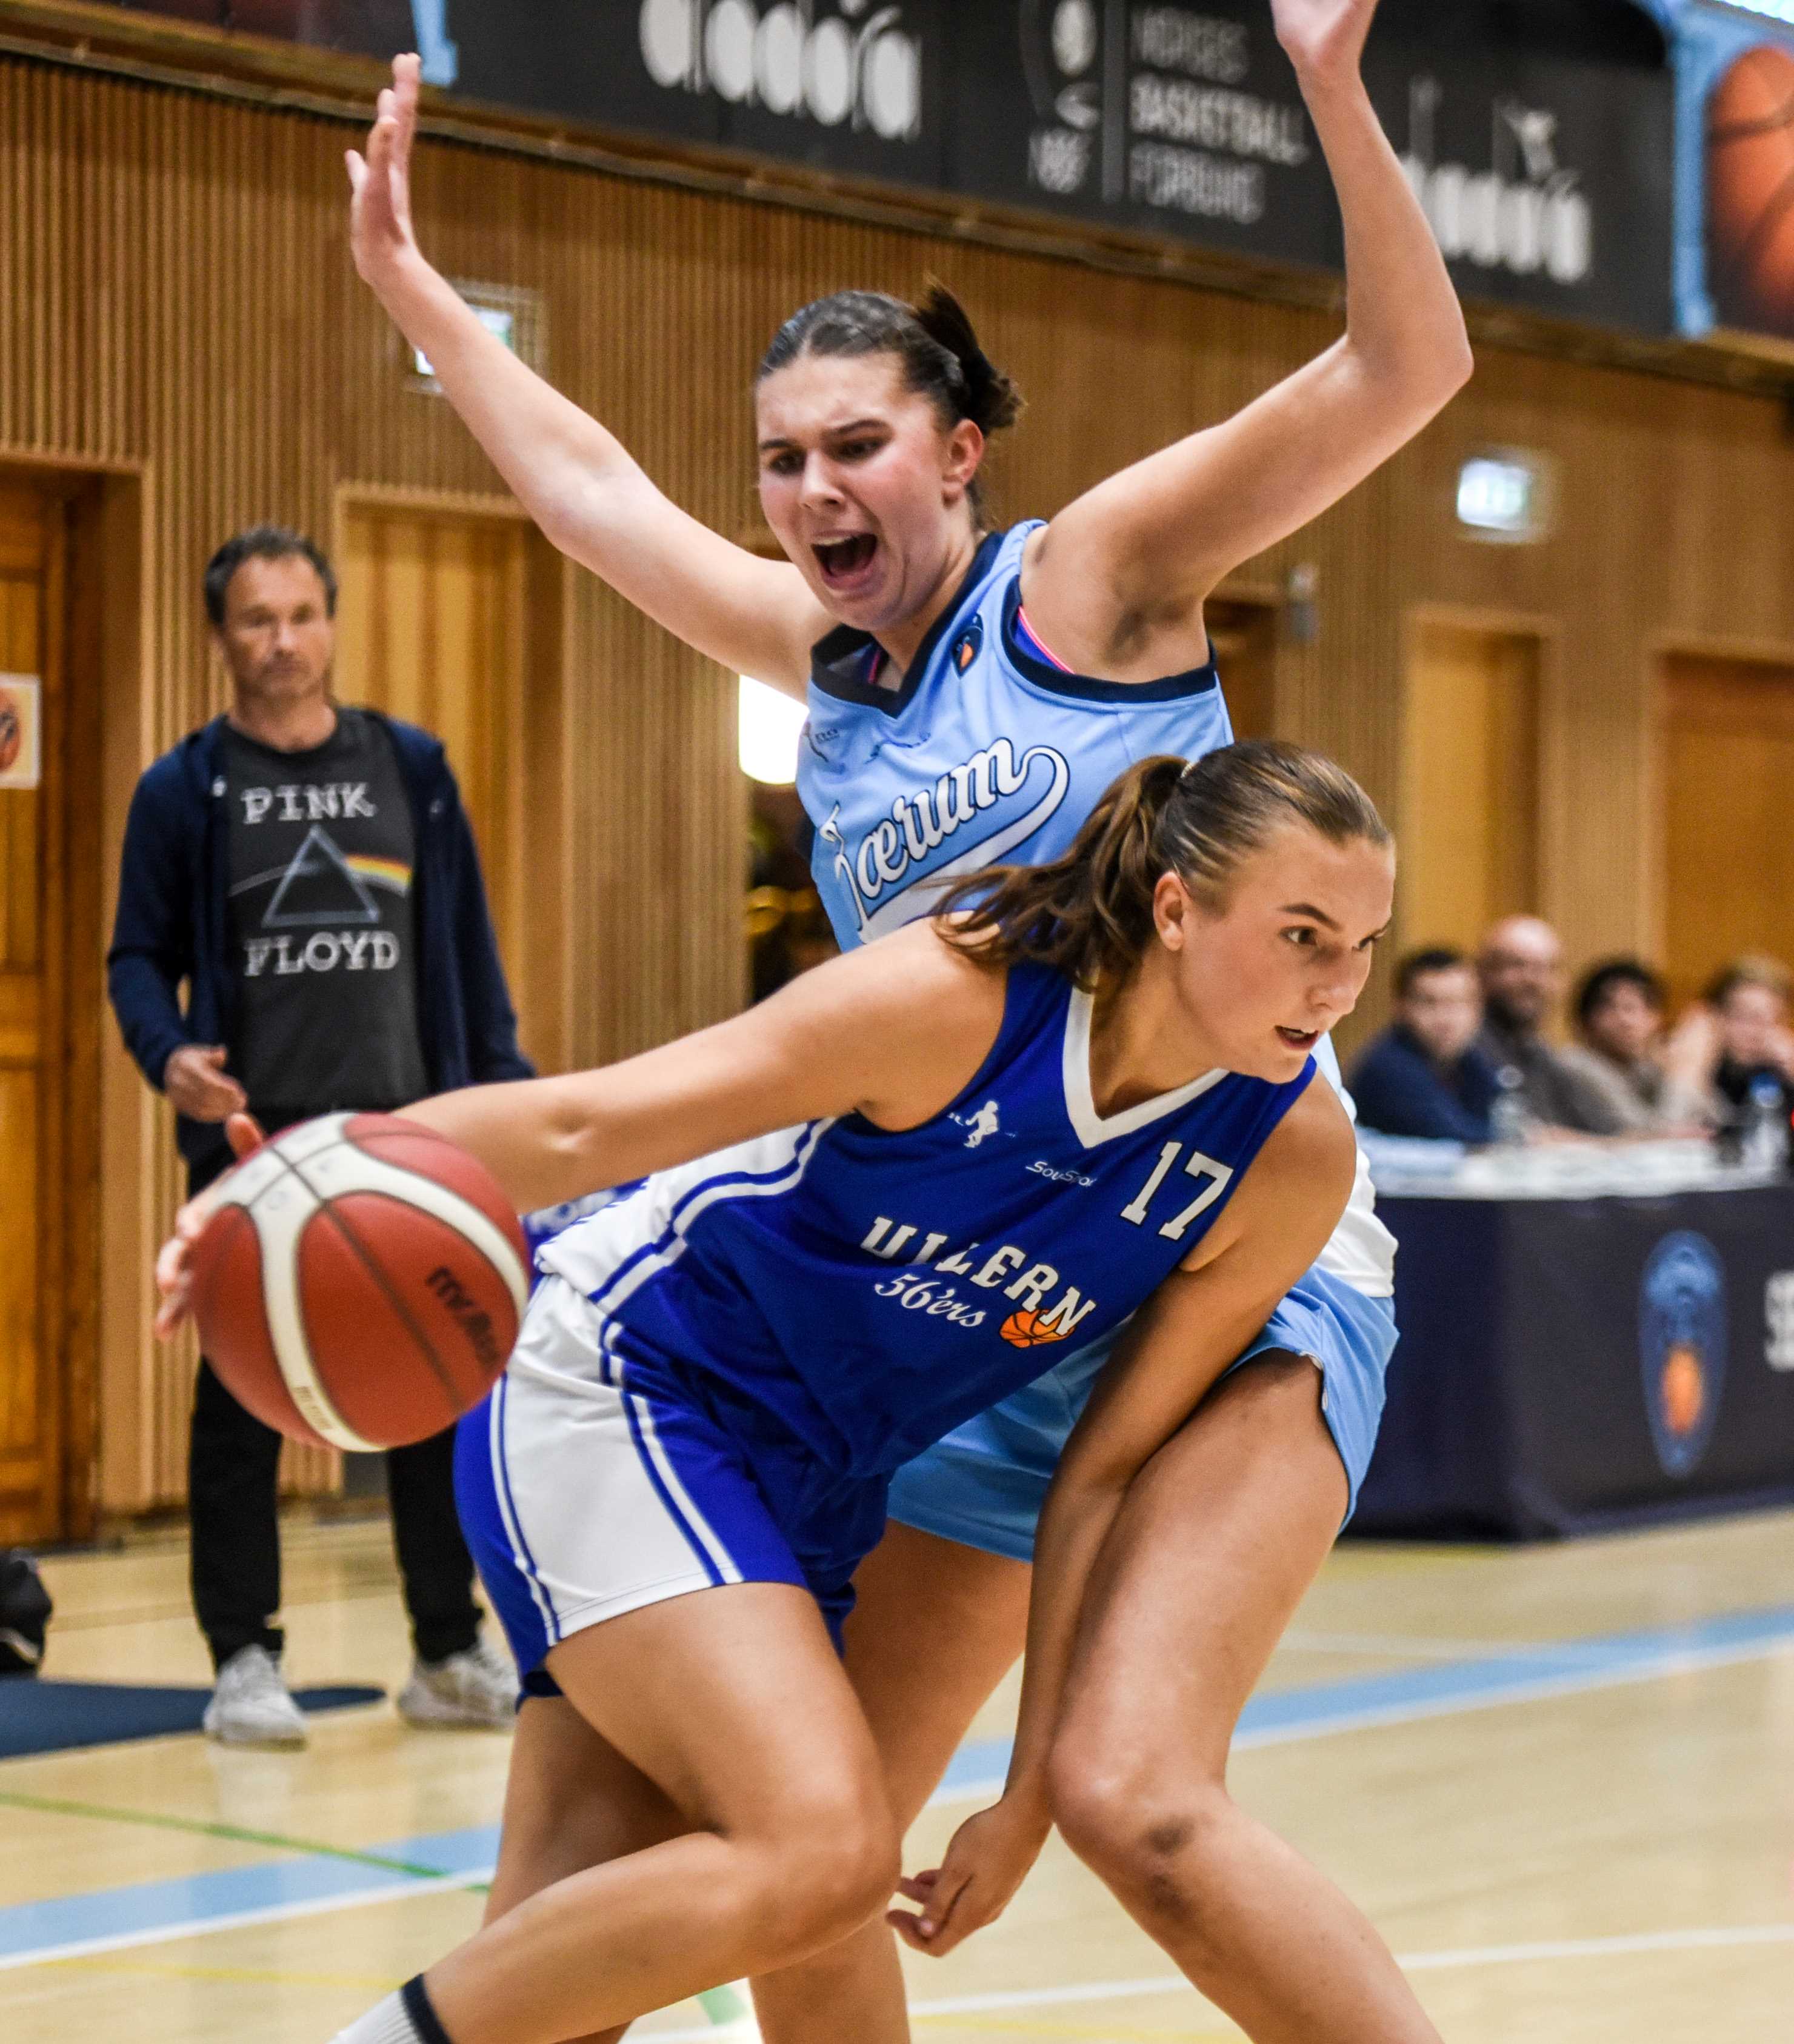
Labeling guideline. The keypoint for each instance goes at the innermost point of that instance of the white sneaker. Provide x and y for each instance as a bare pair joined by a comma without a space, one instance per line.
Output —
477,1688
251,1705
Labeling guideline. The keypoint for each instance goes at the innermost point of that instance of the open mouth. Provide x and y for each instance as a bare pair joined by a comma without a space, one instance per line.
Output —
841,560
1300,1040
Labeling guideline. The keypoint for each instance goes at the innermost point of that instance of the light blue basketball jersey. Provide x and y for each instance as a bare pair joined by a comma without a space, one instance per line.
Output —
864,1292
987,752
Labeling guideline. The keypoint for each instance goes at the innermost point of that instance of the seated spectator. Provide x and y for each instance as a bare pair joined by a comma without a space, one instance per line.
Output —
1424,1076
1619,1019
1522,969
1734,1045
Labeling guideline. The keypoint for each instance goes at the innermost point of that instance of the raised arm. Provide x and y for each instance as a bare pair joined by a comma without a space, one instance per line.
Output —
1178,1347
574,478
1116,582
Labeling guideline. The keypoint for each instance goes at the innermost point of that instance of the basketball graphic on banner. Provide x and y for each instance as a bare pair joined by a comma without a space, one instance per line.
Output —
12,730
1682,1347
1750,192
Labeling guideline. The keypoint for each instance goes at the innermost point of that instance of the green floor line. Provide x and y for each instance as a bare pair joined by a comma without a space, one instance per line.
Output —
235,1834
722,2004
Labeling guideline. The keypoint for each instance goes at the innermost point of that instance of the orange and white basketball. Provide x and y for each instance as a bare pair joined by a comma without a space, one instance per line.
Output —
361,1282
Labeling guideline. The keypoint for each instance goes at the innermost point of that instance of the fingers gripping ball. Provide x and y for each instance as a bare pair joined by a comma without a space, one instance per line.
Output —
360,1283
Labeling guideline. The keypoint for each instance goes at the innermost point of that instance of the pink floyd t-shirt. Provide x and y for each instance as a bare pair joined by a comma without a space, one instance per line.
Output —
321,928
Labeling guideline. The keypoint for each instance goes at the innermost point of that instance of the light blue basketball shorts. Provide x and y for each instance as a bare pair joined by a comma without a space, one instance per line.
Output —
984,1484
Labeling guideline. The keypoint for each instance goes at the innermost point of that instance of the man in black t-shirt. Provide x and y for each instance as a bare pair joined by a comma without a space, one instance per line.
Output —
307,869
322,931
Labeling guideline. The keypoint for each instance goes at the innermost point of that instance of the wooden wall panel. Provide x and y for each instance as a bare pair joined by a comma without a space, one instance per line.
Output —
1728,736
1470,789
181,312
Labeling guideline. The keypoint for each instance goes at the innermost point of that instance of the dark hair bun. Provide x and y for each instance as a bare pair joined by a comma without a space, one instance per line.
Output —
992,399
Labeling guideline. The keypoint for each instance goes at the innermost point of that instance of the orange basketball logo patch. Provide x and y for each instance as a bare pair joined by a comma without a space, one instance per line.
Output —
1684,1390
1029,1331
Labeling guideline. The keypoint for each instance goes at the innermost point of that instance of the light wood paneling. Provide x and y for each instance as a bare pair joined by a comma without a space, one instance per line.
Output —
45,1367
1728,815
455,619
434,628
1469,787
1244,635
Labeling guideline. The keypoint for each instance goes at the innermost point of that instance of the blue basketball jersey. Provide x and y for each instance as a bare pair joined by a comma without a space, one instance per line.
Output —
866,1291
989,750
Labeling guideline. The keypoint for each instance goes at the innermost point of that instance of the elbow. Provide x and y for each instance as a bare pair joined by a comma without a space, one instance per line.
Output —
1413,377
553,518
1404,397
1431,376
575,1142
1449,361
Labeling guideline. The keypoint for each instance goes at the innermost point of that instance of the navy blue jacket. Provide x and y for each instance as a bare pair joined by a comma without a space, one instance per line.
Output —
1400,1091
171,924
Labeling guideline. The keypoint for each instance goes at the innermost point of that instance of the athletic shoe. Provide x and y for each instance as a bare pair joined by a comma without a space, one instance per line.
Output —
251,1705
477,1688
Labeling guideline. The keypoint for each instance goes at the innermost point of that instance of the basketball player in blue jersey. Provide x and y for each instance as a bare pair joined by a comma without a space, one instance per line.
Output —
970,695
1085,1101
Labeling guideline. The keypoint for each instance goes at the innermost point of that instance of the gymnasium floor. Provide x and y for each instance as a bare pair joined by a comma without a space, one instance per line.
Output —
1561,1781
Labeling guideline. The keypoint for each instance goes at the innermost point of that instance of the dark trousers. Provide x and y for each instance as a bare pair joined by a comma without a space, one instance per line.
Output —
232,1502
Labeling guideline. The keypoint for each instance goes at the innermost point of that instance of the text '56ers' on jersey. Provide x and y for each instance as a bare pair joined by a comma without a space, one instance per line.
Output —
866,1291
989,750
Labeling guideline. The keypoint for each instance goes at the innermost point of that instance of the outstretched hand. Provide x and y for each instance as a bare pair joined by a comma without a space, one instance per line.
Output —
987,1860
173,1266
380,231
1324,38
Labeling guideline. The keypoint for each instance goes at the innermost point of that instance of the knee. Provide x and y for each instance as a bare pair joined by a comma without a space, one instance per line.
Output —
1147,1828
838,1872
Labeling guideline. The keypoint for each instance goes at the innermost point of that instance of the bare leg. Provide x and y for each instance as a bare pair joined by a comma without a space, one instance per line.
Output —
936,1627
571,1801
732,1704
1221,1535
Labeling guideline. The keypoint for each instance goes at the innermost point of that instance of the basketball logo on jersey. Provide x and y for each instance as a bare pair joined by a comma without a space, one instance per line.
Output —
880,872
968,646
982,1126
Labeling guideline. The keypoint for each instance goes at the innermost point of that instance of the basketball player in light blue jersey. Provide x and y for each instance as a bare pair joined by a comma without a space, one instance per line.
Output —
672,1488
970,694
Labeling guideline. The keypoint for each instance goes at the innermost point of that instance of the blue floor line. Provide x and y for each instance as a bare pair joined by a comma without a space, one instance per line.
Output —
122,1914
153,1909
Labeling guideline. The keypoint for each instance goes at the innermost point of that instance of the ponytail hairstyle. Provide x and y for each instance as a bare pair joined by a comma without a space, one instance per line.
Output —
934,341
1089,915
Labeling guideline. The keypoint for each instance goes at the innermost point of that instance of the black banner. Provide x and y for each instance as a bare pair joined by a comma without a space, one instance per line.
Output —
1547,175
1569,1364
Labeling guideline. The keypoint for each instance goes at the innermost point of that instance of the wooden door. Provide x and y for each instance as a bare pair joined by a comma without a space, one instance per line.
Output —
435,628
1244,637
1469,824
35,1268
1727,761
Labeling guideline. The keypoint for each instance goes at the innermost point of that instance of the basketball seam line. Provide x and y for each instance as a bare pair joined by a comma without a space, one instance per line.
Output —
1768,225
269,1146
1765,123
438,1368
